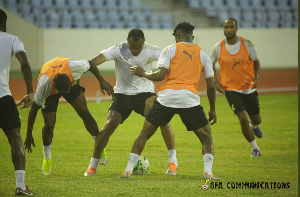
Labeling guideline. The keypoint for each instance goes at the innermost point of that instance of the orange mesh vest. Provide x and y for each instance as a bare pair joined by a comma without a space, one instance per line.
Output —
185,68
54,67
236,70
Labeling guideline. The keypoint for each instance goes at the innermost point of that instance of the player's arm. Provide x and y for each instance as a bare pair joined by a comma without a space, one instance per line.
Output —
27,75
99,59
104,85
256,72
211,94
158,75
254,58
30,122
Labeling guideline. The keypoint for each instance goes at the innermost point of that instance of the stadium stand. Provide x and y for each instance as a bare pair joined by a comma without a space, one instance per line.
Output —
135,13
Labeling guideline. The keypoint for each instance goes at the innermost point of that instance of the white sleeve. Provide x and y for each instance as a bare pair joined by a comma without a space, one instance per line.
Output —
17,45
165,57
215,54
251,50
43,90
111,53
78,68
207,64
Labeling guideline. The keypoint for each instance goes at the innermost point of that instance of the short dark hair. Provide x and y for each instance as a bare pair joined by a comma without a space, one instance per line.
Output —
136,34
61,82
3,17
233,19
184,26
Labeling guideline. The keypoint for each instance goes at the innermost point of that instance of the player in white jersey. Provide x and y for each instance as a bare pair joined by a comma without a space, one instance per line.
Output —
9,116
132,93
180,66
59,77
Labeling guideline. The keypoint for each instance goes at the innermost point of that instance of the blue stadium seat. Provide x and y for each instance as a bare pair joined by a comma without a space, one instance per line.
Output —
136,4
283,4
270,5
232,4
294,4
36,3
248,15
153,17
261,15
29,18
195,4
273,16
113,16
257,4
219,4
118,25
89,15
53,16
245,4
66,16
286,15
66,24
236,14
47,4
247,24
207,4
124,4
295,14
222,15
272,24
111,4
53,24
155,25
79,24
77,16
98,4
73,4
167,25
93,24
166,17
86,4
101,15
125,16
59,3
25,8
139,16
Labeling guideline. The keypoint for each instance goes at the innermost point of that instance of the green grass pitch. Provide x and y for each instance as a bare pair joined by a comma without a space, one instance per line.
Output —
72,148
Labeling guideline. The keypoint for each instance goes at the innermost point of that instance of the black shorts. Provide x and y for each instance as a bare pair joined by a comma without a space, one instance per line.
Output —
51,101
124,104
193,118
240,102
9,114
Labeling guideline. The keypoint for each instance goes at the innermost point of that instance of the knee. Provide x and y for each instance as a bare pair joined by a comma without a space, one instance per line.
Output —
256,120
244,120
49,127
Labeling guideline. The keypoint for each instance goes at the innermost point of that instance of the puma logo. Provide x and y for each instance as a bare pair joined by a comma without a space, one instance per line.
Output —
54,67
234,65
188,54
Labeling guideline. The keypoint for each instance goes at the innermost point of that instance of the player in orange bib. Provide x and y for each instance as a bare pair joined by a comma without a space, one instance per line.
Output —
239,70
180,66
60,77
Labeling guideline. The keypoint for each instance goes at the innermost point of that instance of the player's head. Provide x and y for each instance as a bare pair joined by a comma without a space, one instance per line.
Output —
3,19
135,41
184,32
62,83
230,28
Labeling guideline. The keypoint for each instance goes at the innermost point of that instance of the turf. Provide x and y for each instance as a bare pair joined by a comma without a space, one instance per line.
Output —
72,148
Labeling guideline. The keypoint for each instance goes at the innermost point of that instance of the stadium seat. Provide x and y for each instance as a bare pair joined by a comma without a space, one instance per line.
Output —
111,4
222,15
248,15
272,24
79,24
260,16
53,16
270,4
247,24
73,4
286,15
66,16
36,3
257,4
283,4
66,24
77,16
153,17
59,3
207,4
89,15
53,24
273,16
236,14
113,16
98,4
295,14
118,25
232,4
218,4
139,16
25,8
29,18
167,25
166,17
294,4
136,4
195,4
86,4
245,5
155,25
124,4
47,4
93,24
101,15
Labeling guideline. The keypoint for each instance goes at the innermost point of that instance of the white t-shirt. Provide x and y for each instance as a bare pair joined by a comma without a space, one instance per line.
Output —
127,83
44,87
9,46
181,98
234,49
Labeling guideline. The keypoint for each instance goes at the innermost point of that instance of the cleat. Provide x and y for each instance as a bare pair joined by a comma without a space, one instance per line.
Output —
103,158
210,177
26,192
125,175
172,169
257,132
90,171
46,168
255,153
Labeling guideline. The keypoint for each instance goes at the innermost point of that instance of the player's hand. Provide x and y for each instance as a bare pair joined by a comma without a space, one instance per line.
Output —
28,141
220,88
137,70
212,117
104,85
27,101
255,79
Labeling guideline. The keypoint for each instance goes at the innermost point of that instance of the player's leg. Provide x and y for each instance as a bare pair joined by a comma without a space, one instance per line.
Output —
236,102
10,123
167,133
49,116
195,120
158,115
252,107
118,112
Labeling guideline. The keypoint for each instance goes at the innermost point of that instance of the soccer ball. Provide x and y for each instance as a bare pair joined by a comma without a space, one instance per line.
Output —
142,166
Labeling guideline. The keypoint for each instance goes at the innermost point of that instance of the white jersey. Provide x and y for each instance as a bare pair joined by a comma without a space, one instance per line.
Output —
127,83
181,98
9,46
44,87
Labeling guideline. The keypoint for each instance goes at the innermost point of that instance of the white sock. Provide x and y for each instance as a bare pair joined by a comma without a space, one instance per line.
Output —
253,144
47,152
208,162
94,162
20,177
133,158
172,156
253,126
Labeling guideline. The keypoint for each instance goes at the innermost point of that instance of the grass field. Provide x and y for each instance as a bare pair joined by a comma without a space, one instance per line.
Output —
72,148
